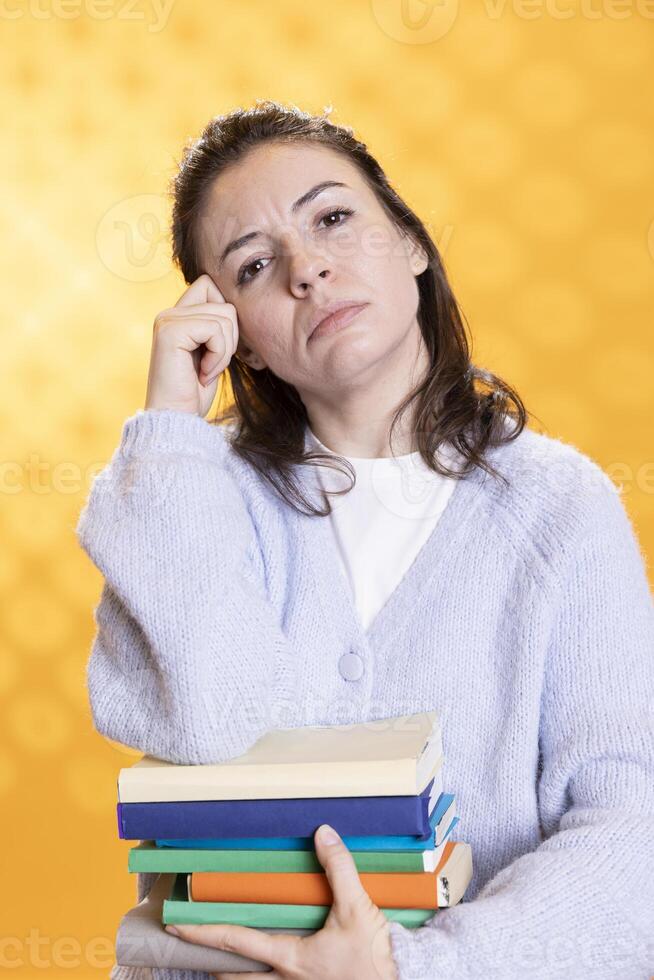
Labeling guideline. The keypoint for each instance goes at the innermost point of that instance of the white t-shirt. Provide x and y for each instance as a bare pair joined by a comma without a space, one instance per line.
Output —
382,523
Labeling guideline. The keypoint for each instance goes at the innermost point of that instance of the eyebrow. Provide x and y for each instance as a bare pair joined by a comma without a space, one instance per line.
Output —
295,207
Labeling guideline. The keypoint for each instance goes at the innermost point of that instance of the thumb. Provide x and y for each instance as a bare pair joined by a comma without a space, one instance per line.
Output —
340,869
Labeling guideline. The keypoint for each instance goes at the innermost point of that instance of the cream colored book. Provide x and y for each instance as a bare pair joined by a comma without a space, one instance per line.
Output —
395,756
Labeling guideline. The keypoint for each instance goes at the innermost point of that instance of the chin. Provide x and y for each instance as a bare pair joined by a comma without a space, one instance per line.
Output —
349,361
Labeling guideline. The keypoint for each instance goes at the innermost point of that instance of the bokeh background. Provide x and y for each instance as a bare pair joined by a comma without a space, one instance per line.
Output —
522,133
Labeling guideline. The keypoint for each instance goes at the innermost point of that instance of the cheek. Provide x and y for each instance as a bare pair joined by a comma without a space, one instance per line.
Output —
395,285
385,267
271,337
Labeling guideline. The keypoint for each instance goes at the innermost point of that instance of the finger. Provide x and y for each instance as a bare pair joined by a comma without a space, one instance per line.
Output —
278,950
215,331
173,313
170,319
341,871
211,324
218,353
202,290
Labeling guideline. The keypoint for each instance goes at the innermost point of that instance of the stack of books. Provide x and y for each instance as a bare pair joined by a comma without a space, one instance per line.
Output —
233,842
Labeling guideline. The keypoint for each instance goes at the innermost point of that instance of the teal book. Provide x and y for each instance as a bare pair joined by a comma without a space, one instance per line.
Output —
179,910
147,857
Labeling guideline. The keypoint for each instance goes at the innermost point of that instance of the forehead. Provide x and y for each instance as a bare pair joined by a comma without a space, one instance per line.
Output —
270,177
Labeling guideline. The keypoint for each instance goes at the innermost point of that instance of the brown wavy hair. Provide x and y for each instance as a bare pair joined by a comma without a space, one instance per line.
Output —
457,404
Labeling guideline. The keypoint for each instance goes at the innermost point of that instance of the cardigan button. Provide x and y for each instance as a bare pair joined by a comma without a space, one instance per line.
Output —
350,666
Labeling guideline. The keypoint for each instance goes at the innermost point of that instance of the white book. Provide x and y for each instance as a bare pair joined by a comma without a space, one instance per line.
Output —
396,756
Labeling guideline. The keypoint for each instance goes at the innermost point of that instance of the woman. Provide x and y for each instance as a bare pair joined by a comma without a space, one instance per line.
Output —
510,595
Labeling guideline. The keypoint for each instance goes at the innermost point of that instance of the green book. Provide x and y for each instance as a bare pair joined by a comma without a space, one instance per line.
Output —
178,909
147,857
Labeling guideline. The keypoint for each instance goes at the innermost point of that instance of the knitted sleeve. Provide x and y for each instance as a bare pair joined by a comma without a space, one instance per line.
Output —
582,903
189,662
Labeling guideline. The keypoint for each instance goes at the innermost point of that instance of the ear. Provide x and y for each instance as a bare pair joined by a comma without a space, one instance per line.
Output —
250,357
418,259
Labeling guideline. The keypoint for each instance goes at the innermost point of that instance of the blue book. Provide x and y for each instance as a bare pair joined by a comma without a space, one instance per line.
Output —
349,815
441,821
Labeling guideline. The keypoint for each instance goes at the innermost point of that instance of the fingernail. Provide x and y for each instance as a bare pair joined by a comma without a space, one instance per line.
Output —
173,930
328,835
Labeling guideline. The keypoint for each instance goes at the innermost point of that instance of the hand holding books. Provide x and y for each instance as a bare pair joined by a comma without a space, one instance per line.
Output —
354,941
235,848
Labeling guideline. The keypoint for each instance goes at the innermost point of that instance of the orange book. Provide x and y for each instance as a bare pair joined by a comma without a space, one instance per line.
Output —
415,890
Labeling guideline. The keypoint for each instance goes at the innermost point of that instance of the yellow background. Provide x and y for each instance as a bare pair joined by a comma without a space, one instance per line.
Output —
521,135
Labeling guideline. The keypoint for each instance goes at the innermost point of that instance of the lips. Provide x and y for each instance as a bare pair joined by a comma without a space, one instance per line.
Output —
339,317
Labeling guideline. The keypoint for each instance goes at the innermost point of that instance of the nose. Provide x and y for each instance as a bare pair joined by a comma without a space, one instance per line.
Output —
305,266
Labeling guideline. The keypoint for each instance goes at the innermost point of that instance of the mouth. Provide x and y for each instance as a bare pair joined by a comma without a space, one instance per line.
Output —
336,321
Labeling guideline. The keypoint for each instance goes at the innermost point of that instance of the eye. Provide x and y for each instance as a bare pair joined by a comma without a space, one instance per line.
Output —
330,214
243,278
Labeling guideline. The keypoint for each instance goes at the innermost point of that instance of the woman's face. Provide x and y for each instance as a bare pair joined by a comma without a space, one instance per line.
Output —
337,245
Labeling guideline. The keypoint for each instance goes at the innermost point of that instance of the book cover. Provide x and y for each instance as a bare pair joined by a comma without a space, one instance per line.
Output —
419,890
280,818
439,821
178,909
395,756
147,857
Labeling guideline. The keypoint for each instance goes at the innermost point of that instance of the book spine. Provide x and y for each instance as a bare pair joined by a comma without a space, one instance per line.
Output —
173,861
366,815
266,915
377,777
416,891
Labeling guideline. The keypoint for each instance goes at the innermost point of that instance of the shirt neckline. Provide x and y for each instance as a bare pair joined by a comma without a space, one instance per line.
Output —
320,550
312,437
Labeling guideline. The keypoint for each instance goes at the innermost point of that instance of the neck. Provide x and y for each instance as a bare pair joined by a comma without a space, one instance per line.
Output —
356,421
